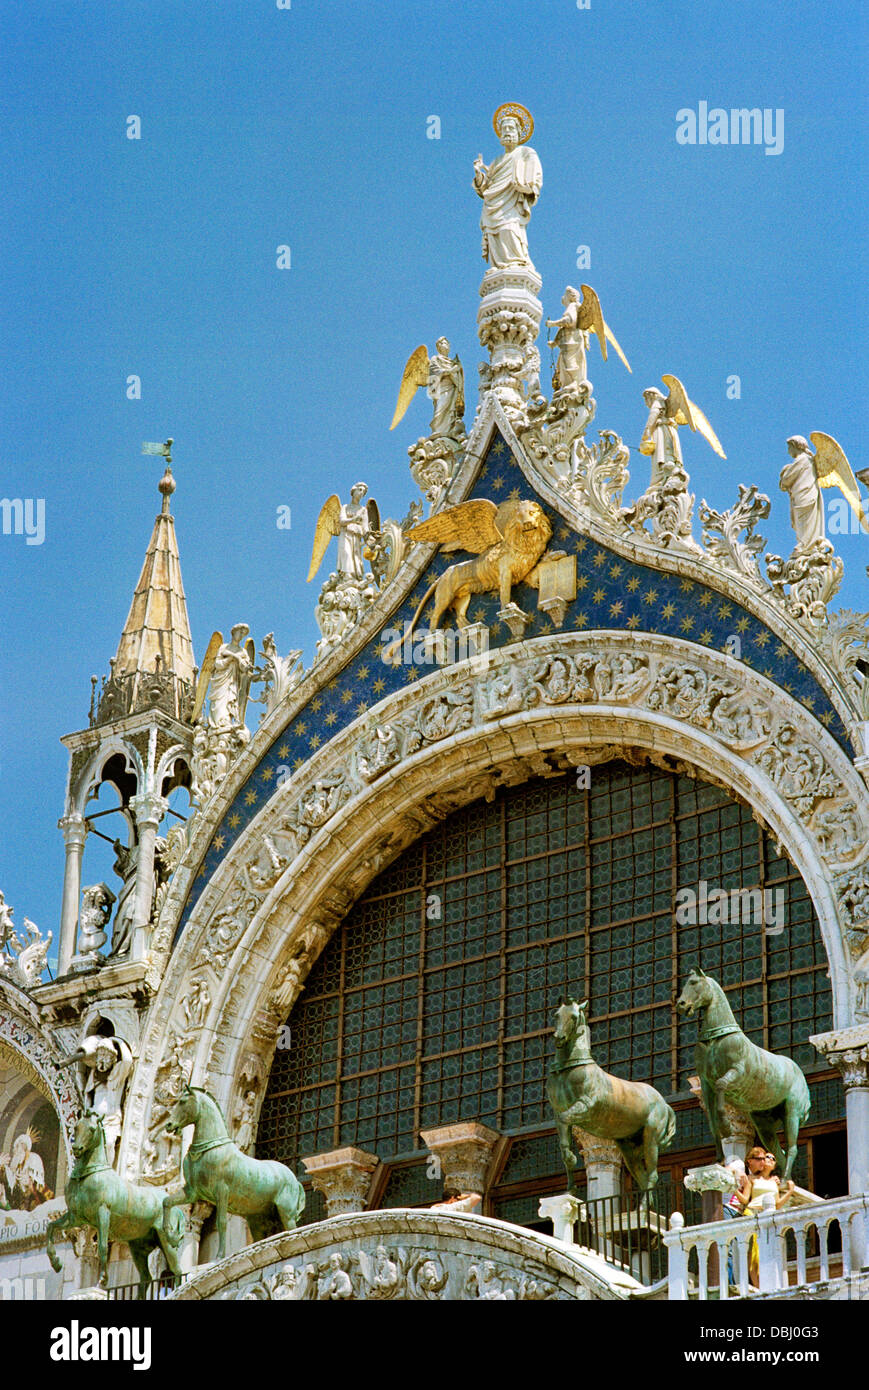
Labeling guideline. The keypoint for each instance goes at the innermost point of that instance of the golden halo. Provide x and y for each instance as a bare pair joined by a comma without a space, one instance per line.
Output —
519,113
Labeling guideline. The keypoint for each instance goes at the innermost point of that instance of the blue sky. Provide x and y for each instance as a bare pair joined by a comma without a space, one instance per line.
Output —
307,127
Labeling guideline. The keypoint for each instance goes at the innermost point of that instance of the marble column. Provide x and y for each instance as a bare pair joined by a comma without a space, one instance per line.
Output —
603,1165
344,1178
848,1051
465,1152
75,831
148,809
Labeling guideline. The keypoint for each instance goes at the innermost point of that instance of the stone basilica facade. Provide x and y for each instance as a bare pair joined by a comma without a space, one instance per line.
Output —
546,708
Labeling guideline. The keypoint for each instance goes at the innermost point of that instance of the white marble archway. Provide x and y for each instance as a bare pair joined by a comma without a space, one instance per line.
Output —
444,741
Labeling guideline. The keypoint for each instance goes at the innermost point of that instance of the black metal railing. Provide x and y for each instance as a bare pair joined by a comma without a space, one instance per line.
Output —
157,1289
628,1230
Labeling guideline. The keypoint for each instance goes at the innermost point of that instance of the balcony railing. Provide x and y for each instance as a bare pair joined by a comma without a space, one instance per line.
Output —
826,1240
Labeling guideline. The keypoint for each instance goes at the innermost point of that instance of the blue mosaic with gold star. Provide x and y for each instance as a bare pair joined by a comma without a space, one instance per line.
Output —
611,593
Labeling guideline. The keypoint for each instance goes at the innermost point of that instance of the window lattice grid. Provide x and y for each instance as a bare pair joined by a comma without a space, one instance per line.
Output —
413,1017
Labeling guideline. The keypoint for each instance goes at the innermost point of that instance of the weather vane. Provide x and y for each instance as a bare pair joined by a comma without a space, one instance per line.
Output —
167,482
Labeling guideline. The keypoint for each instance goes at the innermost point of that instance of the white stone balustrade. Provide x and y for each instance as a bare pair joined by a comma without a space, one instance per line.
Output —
733,1237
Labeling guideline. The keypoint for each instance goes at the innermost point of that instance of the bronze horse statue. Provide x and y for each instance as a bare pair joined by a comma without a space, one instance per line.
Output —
217,1171
631,1113
770,1090
119,1210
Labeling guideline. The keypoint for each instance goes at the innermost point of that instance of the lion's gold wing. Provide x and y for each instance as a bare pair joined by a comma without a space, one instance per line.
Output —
415,374
590,317
328,525
206,669
834,470
469,526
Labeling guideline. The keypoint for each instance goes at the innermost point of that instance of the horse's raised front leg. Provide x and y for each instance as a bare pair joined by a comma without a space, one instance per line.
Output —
104,1216
732,1074
175,1197
64,1222
568,1157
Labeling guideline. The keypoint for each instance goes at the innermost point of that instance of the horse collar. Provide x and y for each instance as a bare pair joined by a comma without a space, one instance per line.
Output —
576,1062
722,1031
89,1172
196,1149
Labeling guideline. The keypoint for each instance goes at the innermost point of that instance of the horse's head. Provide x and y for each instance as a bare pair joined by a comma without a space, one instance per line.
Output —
87,1134
571,1022
696,994
183,1113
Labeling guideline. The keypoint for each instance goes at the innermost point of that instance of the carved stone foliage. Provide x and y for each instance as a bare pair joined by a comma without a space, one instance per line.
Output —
214,752
844,641
433,463
668,507
553,430
721,532
812,577
342,605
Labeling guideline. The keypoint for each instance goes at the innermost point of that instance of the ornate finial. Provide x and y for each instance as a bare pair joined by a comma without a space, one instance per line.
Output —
167,482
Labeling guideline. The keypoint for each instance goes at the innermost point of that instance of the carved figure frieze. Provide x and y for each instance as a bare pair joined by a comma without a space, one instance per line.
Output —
403,1273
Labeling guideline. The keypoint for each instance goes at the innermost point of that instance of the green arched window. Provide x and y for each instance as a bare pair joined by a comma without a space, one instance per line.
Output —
433,1002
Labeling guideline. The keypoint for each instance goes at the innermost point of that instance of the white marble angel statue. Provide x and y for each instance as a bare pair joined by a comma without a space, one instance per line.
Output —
444,378
804,477
226,675
509,188
661,436
581,317
349,523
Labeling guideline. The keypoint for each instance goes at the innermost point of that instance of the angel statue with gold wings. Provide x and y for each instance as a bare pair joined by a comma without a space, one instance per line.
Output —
581,317
661,436
350,523
804,477
226,675
444,378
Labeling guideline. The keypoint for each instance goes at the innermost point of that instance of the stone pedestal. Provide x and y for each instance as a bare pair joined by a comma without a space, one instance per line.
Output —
92,1294
508,322
465,1152
603,1165
848,1051
344,1178
563,1211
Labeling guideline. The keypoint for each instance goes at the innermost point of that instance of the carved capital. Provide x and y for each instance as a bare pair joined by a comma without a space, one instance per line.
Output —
75,830
848,1051
344,1178
597,1152
148,808
465,1152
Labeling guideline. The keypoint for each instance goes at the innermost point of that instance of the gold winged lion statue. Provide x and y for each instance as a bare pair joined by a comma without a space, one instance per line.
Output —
507,542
